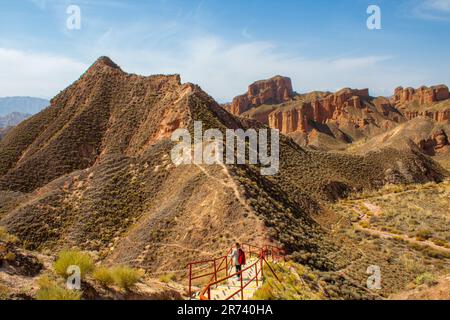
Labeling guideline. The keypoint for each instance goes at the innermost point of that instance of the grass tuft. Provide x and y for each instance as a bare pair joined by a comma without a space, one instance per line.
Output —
49,290
67,258
427,279
123,277
6,237
168,278
126,277
103,276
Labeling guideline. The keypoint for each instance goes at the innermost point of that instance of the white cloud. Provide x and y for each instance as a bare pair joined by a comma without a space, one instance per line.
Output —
225,69
246,34
34,74
41,4
439,5
221,68
432,9
44,4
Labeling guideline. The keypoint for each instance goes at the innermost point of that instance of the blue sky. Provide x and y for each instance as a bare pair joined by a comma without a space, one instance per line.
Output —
225,45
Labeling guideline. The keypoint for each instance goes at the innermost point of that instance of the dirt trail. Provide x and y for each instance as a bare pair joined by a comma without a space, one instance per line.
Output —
376,210
388,235
386,195
228,183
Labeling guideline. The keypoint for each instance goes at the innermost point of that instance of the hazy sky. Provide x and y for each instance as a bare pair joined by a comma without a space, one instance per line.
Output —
225,45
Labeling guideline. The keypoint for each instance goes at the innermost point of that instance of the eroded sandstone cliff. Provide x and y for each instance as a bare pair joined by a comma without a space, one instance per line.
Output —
334,107
272,91
347,115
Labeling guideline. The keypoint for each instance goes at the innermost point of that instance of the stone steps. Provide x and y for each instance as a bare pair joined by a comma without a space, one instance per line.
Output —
223,291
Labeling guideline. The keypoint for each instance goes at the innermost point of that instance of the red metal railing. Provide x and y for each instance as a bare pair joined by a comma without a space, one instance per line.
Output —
218,265
212,268
274,252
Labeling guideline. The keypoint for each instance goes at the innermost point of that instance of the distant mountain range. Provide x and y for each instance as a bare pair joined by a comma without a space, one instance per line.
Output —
13,119
3,132
24,105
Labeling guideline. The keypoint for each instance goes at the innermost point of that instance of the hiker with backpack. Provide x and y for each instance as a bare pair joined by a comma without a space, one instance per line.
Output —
238,258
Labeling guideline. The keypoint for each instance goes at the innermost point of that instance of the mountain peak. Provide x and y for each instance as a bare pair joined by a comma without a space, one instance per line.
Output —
103,65
106,61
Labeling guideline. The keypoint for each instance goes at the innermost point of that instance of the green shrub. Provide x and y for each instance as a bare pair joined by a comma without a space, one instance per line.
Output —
4,292
426,278
69,258
424,234
437,254
439,242
264,293
10,256
103,276
49,290
364,224
125,277
167,278
6,237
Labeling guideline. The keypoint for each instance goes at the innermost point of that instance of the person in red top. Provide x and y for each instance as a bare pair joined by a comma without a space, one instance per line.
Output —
238,258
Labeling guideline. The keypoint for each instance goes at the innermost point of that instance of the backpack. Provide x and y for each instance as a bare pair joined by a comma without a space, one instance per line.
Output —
241,257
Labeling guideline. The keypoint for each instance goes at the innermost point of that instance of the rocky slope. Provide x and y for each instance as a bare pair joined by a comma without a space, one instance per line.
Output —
22,271
93,171
425,134
438,291
106,111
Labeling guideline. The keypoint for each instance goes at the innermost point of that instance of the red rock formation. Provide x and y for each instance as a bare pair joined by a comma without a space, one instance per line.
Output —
273,91
292,120
421,99
333,107
349,109
438,116
441,139
423,95
438,142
